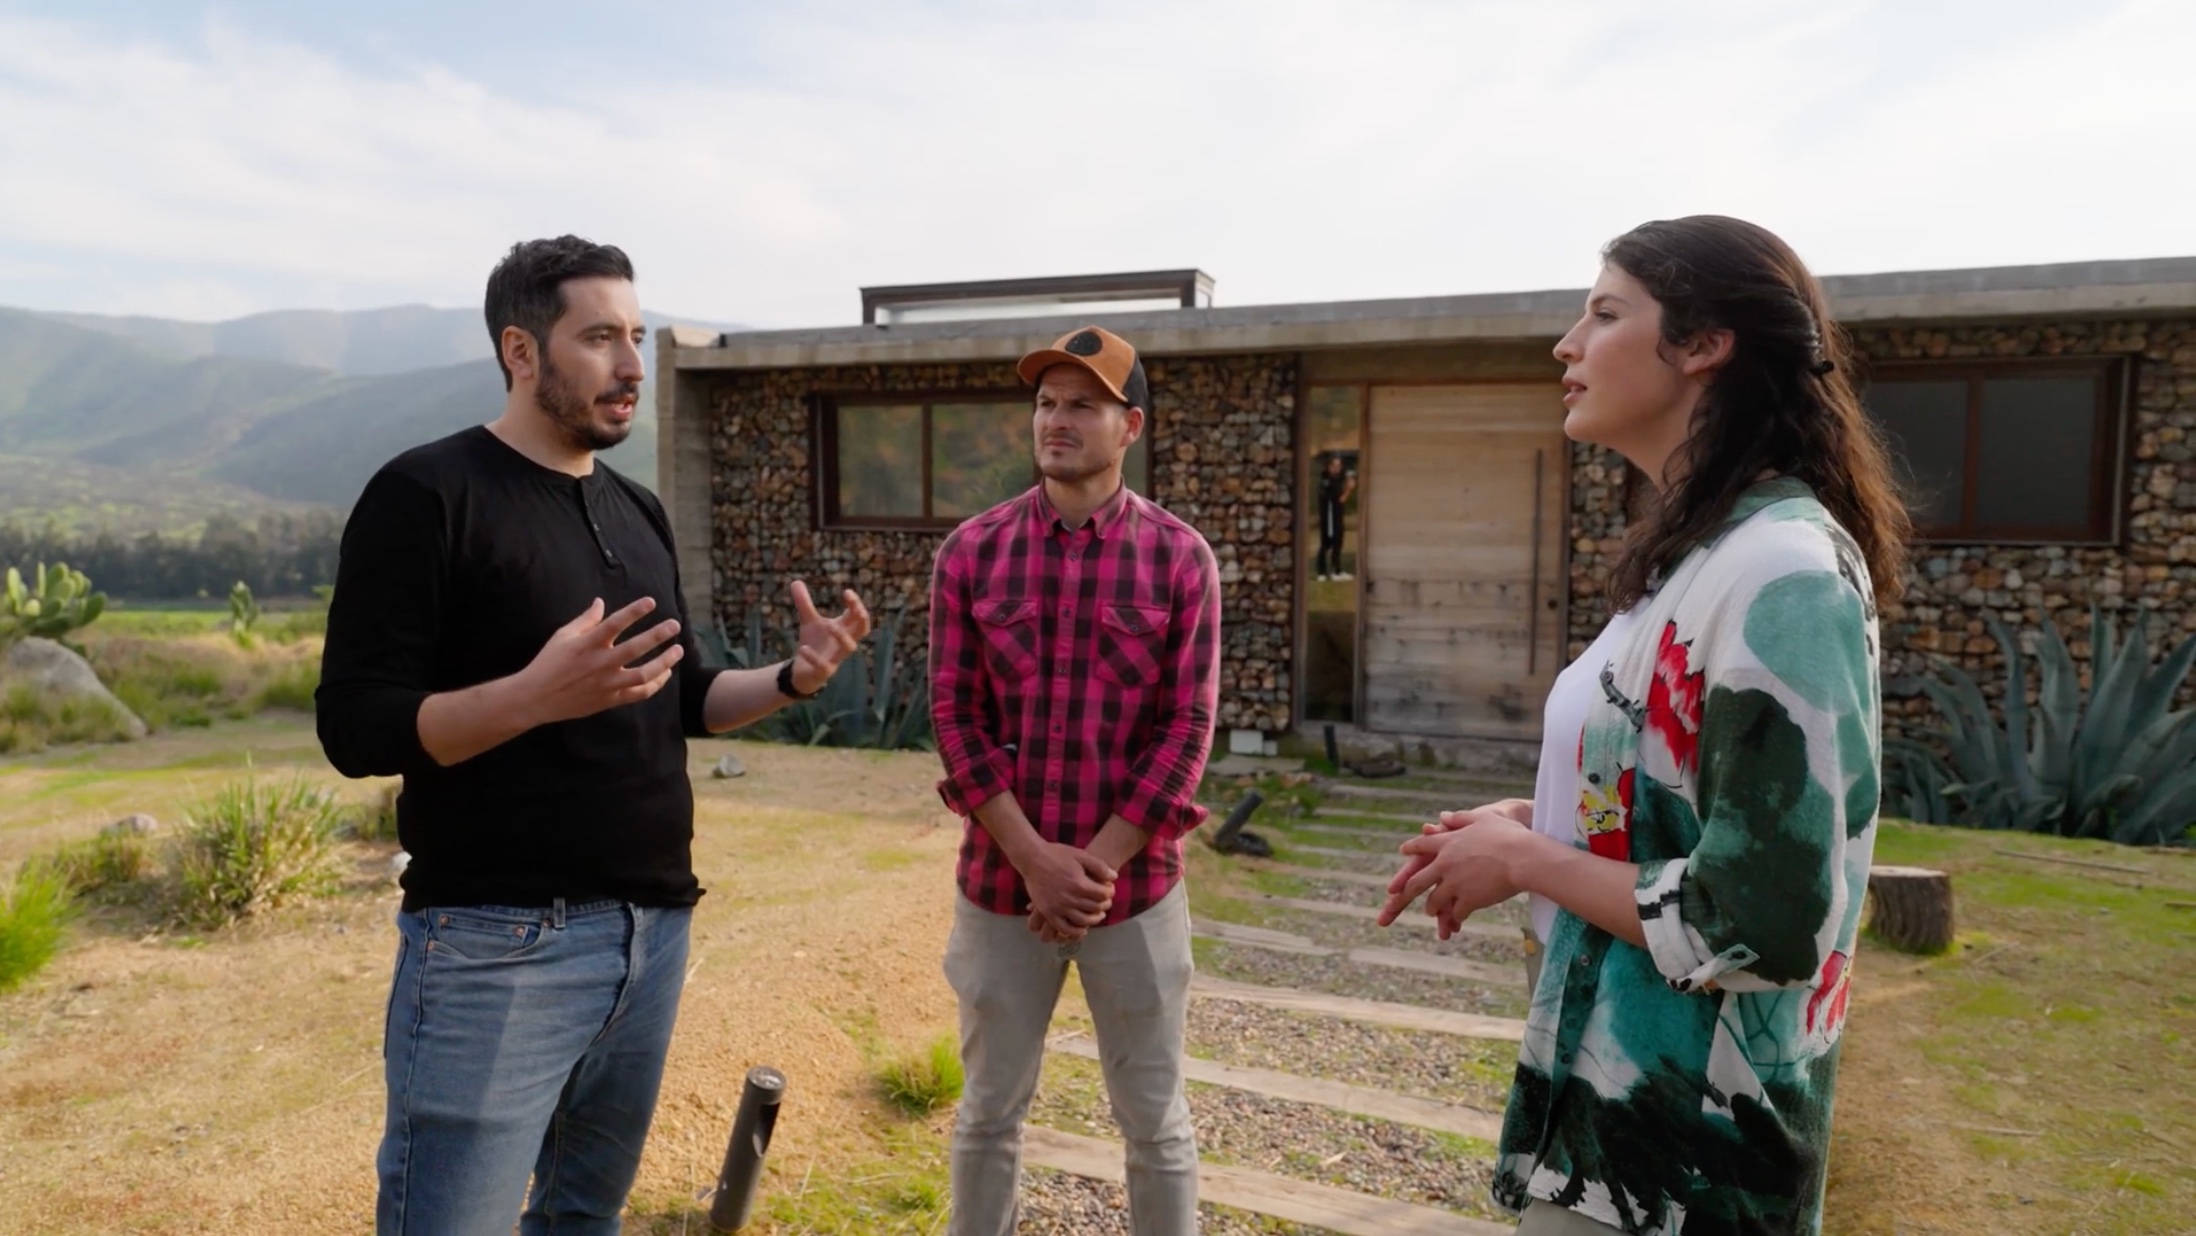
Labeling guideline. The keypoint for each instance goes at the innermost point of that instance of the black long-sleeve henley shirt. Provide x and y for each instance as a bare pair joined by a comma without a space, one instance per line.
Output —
460,560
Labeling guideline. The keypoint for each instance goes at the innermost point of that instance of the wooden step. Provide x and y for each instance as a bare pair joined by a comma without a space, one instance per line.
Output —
1413,917
1390,816
1366,1012
1324,873
1395,959
1279,1197
1328,851
1397,836
1446,800
1340,1096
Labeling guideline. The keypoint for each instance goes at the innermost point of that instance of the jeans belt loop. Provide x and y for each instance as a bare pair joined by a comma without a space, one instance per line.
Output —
556,913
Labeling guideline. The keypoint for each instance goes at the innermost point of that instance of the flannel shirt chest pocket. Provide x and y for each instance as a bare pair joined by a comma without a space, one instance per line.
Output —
1009,630
1132,644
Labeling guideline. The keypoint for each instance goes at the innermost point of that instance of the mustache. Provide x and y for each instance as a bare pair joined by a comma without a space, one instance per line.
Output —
623,392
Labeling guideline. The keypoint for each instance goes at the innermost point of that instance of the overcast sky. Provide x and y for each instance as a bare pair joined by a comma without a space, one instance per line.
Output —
762,162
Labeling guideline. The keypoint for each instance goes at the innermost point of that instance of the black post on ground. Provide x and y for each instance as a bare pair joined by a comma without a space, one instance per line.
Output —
743,1155
1230,837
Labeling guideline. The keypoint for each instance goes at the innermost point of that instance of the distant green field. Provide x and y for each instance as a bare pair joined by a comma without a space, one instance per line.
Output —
162,622
168,618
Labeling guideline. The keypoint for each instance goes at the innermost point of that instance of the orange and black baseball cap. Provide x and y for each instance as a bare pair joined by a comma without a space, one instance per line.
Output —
1106,356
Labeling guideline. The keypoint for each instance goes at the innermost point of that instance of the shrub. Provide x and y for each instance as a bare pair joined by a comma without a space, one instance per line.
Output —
252,847
33,911
921,1082
30,721
2120,764
293,687
376,818
189,680
97,864
875,700
243,616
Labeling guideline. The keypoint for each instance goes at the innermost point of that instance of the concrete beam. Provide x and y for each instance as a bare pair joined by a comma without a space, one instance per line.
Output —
2151,287
682,470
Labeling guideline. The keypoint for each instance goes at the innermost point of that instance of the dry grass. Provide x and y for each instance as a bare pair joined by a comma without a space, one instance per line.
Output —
2034,1080
193,681
153,1082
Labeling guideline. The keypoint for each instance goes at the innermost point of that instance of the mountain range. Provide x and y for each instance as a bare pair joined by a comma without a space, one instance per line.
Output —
137,422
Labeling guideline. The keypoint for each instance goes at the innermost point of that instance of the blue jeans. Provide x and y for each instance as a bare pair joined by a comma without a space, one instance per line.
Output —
524,1042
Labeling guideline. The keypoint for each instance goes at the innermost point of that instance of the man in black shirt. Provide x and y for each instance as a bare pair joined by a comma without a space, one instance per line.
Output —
508,636
1336,484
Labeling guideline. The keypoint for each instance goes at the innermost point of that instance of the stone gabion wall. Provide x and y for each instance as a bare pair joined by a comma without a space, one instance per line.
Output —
1222,459
1952,588
1597,535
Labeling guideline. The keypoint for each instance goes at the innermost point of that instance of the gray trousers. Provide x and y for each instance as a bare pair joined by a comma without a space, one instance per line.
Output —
1549,1219
1136,977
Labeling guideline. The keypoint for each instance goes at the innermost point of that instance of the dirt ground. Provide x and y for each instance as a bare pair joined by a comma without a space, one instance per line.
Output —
151,1082
232,1084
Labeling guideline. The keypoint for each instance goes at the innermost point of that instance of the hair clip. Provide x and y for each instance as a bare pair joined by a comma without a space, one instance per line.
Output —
1822,368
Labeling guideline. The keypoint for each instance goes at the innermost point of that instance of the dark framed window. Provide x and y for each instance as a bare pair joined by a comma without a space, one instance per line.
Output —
931,461
2010,451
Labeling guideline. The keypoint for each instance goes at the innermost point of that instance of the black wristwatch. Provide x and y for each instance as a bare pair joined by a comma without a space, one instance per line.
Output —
786,687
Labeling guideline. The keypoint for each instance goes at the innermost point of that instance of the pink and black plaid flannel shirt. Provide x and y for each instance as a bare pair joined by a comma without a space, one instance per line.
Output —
1080,671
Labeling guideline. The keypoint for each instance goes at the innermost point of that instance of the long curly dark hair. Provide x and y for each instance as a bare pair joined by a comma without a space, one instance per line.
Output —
1784,402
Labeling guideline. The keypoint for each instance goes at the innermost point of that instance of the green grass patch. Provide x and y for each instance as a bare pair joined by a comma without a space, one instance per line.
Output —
921,1082
900,1192
2061,1012
162,623
34,910
103,863
193,681
375,819
881,860
292,687
32,721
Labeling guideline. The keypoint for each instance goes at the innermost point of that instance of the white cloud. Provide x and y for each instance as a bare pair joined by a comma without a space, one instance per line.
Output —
1297,149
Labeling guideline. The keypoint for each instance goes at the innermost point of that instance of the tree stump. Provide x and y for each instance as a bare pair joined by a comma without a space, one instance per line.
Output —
1913,910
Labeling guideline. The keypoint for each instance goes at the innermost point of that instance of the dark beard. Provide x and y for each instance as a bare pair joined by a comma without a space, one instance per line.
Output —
574,415
1069,474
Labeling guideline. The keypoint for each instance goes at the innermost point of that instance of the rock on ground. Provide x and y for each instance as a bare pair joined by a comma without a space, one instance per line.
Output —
49,669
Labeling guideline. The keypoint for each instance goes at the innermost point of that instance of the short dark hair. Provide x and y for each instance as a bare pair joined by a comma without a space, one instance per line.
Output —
526,289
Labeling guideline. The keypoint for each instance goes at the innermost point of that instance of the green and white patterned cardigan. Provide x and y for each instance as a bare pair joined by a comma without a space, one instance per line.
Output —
1735,755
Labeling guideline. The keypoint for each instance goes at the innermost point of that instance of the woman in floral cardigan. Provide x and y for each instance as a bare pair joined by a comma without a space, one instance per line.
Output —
1697,848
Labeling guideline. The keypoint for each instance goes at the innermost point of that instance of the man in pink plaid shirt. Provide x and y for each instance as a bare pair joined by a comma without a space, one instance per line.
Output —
1074,661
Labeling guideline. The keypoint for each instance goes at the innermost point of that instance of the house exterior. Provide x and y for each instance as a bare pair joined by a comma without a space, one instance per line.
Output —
2045,416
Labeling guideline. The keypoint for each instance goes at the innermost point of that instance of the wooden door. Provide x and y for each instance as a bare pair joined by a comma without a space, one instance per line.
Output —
1466,490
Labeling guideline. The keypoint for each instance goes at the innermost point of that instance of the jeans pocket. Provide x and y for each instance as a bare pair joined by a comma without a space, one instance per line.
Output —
483,933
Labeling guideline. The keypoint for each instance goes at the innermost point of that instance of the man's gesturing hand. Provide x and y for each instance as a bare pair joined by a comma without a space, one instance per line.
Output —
583,669
825,642
1071,887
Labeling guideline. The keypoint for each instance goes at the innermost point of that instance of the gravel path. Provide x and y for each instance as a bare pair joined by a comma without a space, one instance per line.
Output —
1338,976
1444,1067
1297,1140
1057,1204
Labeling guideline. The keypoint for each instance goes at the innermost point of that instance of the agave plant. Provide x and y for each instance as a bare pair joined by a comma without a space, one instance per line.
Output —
2118,763
875,700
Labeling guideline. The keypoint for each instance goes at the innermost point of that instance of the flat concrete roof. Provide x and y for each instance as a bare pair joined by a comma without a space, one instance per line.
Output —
2146,287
